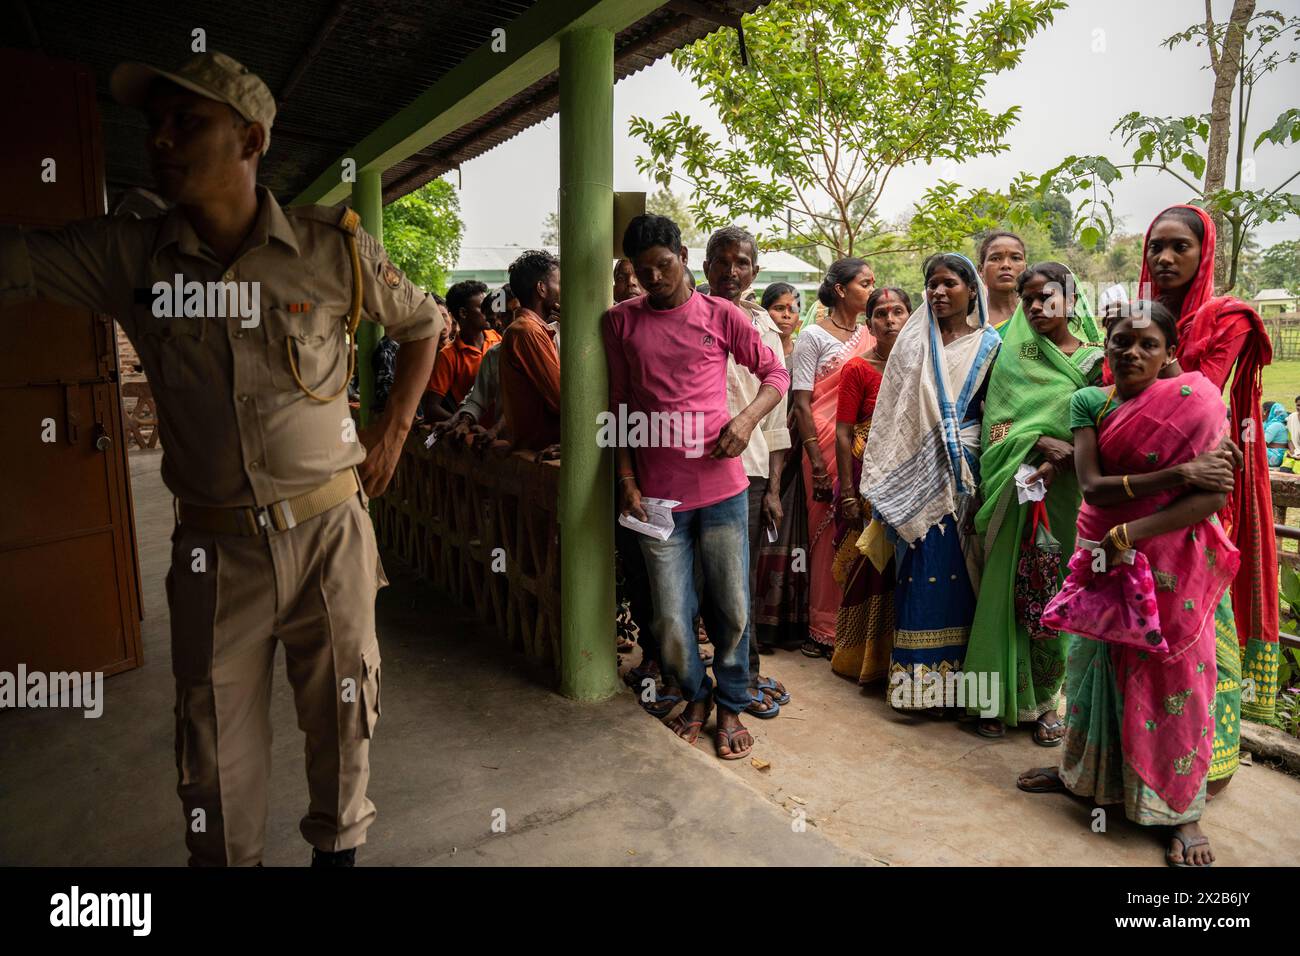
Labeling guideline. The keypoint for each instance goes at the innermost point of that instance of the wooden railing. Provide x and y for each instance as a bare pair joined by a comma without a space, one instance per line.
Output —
1284,331
1286,494
481,526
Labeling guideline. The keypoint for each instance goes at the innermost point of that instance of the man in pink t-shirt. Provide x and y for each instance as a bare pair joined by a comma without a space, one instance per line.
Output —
675,439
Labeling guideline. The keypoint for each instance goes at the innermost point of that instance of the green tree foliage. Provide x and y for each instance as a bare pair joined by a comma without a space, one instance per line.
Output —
1118,260
1277,267
551,229
422,233
838,95
1177,146
665,202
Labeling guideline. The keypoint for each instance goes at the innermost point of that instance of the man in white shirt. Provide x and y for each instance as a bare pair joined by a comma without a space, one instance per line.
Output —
730,265
1293,431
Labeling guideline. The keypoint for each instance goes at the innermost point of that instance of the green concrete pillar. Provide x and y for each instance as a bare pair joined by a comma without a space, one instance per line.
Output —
589,668
368,201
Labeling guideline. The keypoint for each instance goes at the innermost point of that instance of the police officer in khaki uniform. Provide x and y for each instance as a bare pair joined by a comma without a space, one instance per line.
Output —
273,540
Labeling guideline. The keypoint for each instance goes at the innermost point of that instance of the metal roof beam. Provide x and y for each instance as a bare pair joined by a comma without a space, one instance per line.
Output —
703,11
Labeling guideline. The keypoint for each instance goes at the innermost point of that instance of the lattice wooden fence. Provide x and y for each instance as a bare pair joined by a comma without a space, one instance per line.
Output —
1284,330
448,512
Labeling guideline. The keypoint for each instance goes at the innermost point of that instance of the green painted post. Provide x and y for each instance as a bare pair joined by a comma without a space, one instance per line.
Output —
368,201
589,665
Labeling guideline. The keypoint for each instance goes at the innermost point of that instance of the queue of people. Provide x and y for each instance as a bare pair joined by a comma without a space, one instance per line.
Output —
952,482
922,490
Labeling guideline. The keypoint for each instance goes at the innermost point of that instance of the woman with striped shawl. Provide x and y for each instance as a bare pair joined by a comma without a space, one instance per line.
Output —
921,470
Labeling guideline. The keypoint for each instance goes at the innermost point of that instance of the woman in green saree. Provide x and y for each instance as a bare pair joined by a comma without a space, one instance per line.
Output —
1051,348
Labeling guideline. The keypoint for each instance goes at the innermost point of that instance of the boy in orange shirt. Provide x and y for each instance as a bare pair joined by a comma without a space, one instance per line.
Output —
457,363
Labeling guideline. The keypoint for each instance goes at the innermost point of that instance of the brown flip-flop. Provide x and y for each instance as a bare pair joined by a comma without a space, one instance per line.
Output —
1202,840
1049,772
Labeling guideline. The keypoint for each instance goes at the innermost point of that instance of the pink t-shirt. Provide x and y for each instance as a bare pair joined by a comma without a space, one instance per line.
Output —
668,392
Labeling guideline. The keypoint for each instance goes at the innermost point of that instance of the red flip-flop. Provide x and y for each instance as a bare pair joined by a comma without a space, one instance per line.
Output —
730,736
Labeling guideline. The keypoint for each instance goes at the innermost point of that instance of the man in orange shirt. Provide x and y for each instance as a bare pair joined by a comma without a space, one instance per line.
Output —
530,360
502,305
457,364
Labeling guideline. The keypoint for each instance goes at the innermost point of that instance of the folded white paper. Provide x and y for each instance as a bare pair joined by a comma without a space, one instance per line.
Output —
660,513
1035,491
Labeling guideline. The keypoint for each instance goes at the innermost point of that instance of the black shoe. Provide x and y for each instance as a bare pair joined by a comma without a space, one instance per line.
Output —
341,858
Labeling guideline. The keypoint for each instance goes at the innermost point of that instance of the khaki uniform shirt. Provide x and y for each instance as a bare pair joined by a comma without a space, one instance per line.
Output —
742,388
236,428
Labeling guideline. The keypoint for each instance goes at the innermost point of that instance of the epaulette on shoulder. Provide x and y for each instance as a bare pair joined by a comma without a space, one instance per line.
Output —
347,219
344,219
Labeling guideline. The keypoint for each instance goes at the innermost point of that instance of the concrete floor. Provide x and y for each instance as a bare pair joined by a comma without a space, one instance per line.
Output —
911,790
469,729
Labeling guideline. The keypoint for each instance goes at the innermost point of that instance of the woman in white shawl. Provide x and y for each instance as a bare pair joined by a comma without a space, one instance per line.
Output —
920,473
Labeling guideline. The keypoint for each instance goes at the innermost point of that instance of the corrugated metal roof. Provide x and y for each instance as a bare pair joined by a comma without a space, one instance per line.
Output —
346,66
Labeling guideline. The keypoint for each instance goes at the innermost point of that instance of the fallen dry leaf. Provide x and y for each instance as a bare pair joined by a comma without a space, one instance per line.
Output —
760,764
799,800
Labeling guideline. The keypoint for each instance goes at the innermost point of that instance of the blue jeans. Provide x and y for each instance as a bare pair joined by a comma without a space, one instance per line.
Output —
722,533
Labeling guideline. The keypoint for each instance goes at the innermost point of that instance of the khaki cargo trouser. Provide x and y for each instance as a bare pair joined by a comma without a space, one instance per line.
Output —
312,588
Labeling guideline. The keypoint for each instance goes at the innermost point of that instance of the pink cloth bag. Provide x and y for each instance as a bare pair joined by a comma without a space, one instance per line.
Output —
1117,606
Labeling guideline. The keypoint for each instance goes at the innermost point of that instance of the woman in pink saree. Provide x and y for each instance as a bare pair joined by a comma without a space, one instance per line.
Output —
819,356
1154,473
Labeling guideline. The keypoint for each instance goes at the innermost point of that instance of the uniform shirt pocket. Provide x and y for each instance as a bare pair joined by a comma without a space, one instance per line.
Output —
179,354
310,342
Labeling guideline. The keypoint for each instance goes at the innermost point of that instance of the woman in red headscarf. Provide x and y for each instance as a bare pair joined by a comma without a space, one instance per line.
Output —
1216,334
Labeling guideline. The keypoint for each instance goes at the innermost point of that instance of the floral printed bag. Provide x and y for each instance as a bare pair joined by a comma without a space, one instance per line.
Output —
1038,573
1118,606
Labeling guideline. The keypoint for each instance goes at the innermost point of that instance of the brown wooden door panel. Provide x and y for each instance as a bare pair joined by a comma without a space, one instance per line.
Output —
66,345
69,579
68,595
49,107
63,487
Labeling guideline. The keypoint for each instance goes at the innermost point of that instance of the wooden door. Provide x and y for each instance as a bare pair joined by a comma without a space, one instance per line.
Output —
69,593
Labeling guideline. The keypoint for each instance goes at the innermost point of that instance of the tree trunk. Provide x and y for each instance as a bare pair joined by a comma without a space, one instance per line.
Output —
1225,64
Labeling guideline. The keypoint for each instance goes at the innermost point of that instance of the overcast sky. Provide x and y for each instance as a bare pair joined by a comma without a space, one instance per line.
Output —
1070,97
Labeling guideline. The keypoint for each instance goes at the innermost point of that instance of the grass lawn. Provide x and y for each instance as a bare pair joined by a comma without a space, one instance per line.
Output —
1282,383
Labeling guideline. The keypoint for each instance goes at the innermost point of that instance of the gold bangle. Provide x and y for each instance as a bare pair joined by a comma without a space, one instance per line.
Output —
1128,490
807,440
627,477
1119,534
